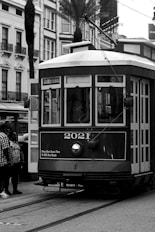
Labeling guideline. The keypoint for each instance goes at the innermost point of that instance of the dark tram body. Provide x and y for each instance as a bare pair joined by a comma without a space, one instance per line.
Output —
97,116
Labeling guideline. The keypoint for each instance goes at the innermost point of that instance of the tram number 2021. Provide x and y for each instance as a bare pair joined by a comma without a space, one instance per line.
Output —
74,135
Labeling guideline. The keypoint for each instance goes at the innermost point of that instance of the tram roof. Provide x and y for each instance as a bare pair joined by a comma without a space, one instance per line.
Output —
97,58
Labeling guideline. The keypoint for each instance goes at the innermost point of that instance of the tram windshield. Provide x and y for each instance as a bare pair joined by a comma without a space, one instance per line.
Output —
110,92
110,104
74,98
78,105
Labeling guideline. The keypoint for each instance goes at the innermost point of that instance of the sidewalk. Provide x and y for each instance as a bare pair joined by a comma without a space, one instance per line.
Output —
29,191
26,187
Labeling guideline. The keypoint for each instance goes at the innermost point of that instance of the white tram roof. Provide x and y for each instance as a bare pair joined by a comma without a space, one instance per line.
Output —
97,58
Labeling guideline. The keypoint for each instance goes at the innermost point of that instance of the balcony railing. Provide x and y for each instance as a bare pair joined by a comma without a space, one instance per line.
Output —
20,50
6,47
12,96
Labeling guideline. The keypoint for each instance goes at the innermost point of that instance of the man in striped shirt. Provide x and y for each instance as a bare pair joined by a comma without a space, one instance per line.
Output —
4,158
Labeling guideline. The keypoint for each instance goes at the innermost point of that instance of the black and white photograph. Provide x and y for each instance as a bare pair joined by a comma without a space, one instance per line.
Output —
77,115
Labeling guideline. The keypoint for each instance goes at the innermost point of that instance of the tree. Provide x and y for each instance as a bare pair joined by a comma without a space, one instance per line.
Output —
29,29
76,10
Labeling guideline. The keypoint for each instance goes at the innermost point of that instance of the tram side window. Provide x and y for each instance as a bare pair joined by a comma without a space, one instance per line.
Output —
46,107
55,106
110,104
51,106
78,105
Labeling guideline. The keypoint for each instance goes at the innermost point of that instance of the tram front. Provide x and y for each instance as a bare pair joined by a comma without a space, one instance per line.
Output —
82,126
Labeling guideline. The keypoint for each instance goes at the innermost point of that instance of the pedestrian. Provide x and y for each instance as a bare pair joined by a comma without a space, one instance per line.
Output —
17,160
5,159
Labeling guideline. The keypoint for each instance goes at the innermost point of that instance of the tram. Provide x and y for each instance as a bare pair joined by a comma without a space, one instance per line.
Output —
97,114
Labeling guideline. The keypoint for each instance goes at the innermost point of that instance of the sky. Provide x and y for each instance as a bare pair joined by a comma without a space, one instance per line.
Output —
134,17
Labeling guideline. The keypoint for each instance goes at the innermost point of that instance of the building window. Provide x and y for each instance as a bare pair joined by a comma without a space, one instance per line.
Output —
88,33
4,38
49,19
85,31
66,26
18,86
49,49
92,35
5,7
19,12
4,84
18,41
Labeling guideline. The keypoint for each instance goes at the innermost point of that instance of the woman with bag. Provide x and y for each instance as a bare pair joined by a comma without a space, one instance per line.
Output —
5,159
17,161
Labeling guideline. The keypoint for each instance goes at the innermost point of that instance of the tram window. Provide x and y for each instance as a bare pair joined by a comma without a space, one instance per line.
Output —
46,107
110,104
147,110
34,137
34,117
55,106
51,106
147,154
78,105
132,155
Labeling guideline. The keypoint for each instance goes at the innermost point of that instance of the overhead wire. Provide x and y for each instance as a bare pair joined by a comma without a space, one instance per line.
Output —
137,11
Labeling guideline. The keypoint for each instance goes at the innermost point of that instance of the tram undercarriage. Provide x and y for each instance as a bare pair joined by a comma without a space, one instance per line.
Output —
123,182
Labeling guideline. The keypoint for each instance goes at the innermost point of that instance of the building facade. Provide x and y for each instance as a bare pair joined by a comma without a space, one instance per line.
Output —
14,67
51,33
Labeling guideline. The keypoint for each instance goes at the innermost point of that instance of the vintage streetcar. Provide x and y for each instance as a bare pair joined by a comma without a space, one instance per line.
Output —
97,116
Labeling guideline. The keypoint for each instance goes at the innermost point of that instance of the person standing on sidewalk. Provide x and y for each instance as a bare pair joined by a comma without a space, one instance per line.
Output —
5,159
17,161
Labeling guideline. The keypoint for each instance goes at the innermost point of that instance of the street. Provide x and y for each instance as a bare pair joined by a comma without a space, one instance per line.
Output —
51,210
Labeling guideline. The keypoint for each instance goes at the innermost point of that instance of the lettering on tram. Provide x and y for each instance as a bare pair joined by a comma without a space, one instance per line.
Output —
74,135
50,81
48,154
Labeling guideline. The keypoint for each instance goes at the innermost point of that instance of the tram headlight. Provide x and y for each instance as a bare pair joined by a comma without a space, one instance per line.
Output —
76,149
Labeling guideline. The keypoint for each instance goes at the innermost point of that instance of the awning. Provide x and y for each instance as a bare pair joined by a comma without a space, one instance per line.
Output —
12,108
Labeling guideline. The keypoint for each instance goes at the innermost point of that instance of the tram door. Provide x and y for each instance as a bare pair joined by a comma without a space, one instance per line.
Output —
140,125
